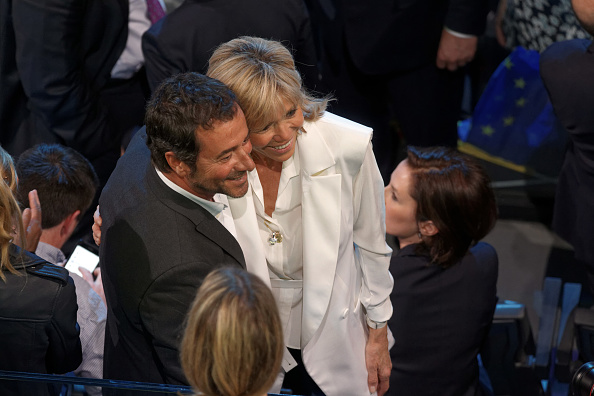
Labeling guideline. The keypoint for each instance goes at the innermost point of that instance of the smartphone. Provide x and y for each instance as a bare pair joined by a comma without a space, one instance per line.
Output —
82,256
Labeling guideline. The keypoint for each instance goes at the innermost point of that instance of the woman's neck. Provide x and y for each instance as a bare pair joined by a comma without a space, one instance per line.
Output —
271,164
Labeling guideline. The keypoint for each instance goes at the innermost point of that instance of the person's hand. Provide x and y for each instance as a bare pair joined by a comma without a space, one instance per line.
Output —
32,222
97,221
95,283
455,52
499,22
377,360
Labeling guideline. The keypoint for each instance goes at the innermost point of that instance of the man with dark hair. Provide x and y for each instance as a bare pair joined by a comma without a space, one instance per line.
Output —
66,183
165,227
567,70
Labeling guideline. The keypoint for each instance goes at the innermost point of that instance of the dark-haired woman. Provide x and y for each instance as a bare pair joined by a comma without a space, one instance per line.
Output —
439,204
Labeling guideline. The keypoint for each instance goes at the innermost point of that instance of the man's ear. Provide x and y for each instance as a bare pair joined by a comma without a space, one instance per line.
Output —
178,167
427,228
69,224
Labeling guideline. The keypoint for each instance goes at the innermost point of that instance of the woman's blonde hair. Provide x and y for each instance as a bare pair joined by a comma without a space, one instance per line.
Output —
263,76
10,213
7,170
233,341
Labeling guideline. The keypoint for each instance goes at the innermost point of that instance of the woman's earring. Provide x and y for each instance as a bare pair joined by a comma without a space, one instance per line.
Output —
419,234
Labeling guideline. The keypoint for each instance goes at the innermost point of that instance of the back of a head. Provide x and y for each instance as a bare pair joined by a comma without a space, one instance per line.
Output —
453,191
233,342
179,106
262,74
584,11
64,179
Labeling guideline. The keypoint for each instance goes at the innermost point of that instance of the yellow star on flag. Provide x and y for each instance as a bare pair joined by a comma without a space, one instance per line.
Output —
508,63
507,121
521,102
488,130
519,83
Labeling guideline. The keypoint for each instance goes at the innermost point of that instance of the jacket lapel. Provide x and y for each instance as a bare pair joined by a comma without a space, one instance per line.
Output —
246,224
205,223
321,208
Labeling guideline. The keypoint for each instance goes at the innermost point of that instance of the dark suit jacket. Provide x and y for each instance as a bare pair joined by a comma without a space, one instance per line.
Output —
157,247
206,24
55,57
383,36
567,69
441,318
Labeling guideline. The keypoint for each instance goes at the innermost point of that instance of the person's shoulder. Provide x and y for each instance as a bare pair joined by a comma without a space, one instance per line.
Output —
564,55
563,48
36,266
330,122
347,139
485,255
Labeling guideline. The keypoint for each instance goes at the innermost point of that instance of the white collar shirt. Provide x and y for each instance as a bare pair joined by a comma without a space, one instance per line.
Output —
284,259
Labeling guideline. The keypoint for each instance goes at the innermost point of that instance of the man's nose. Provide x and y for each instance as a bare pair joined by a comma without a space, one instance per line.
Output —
245,160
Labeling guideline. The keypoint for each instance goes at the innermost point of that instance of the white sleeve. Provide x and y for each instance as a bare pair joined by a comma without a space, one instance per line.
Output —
369,235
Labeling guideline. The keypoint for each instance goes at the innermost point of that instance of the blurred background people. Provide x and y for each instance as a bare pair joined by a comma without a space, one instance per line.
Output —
233,340
536,24
308,224
439,204
66,184
567,72
397,66
38,329
170,50
68,77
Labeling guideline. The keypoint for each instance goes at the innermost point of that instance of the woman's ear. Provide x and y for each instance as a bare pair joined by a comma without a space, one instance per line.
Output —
178,167
427,228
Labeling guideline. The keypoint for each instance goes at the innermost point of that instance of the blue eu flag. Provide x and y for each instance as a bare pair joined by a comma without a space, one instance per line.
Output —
514,116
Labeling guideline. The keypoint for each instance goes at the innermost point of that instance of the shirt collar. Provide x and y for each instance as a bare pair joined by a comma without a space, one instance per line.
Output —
214,208
50,253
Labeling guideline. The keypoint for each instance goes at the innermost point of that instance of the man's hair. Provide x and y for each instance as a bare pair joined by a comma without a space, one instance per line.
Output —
262,74
64,179
233,341
453,191
180,106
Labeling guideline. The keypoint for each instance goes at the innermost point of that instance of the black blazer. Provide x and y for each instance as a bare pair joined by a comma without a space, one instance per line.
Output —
38,330
567,69
55,57
157,247
441,318
169,50
383,36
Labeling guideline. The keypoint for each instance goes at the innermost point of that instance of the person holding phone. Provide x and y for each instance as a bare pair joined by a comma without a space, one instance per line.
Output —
66,183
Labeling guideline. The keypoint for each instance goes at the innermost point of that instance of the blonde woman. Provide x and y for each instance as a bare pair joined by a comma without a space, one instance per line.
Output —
312,224
233,340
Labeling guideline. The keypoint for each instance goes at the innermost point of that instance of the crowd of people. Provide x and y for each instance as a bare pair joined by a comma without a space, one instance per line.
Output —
242,233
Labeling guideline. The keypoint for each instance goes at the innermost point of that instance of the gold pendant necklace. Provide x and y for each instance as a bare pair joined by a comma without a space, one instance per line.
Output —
275,236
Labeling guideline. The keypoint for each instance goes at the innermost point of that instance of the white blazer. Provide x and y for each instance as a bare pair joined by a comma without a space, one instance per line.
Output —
345,256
